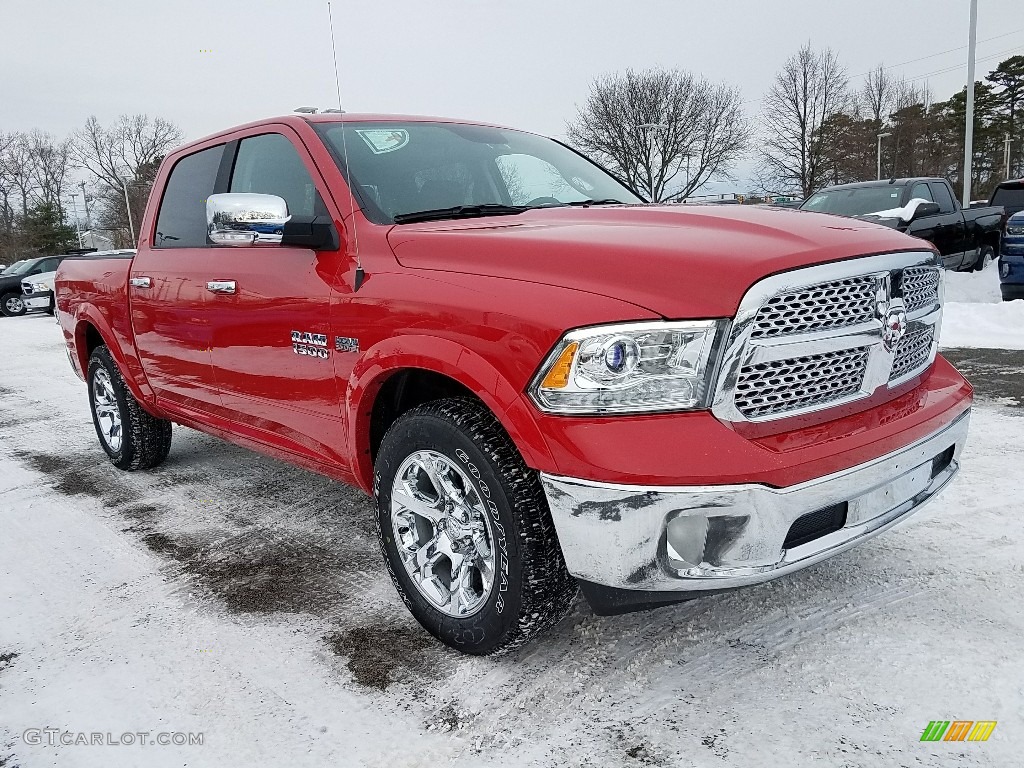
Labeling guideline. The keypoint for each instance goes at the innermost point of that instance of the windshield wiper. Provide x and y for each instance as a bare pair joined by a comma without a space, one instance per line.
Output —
460,212
588,203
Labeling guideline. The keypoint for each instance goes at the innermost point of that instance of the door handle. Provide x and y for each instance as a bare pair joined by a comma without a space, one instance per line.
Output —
221,286
141,282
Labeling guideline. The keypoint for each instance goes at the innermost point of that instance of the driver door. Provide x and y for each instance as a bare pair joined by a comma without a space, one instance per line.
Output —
276,389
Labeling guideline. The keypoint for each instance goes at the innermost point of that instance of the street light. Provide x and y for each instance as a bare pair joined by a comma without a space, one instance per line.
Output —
650,147
128,207
880,137
972,46
85,200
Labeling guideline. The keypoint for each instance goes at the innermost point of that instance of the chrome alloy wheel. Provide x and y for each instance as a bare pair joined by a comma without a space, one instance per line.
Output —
442,533
108,414
14,305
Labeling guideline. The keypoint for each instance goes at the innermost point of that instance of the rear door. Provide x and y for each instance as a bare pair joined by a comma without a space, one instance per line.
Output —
167,288
272,348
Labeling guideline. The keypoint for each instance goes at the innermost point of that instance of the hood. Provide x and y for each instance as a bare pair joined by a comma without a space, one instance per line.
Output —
678,261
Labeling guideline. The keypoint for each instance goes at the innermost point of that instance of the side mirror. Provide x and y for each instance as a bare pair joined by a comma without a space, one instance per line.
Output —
925,209
245,218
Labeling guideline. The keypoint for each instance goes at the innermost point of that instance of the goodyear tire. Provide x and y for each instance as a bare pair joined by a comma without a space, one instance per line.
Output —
132,438
465,529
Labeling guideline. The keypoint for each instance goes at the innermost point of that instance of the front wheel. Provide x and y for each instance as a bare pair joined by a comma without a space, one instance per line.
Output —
11,305
132,438
465,529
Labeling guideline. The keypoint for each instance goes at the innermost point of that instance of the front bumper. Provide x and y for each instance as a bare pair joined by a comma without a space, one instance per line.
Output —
627,542
38,300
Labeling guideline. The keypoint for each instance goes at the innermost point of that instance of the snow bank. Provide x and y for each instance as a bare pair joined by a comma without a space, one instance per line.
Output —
998,326
974,287
976,315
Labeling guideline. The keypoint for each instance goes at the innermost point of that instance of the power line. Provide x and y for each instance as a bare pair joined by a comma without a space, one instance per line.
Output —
964,64
940,53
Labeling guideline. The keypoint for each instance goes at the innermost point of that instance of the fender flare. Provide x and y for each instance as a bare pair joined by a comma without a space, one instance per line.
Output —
450,359
89,315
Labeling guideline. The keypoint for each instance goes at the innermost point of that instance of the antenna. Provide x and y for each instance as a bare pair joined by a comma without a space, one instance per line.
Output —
334,52
360,274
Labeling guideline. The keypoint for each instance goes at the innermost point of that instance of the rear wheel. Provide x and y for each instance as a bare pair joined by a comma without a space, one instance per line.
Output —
465,529
132,438
12,305
985,254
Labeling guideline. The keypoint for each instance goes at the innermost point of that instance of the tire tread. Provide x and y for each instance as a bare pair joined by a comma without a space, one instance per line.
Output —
547,588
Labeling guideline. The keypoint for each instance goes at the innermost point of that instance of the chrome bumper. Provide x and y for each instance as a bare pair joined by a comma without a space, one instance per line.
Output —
698,538
38,302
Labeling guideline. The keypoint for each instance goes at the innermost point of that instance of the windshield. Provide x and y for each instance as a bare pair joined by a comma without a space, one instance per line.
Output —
18,267
399,169
856,201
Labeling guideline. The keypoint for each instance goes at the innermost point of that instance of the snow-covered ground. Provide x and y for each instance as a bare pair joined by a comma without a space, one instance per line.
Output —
976,315
234,596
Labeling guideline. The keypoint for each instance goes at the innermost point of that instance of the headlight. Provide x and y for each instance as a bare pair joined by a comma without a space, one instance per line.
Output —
631,368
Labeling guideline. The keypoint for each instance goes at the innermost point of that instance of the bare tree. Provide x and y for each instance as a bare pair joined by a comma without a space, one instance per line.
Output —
17,166
650,126
118,152
878,94
50,166
810,89
124,155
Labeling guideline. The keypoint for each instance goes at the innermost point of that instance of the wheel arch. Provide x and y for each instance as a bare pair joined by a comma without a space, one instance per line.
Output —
91,331
397,375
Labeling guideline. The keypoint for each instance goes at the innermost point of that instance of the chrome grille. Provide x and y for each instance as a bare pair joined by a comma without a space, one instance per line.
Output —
912,352
781,386
809,340
920,287
824,306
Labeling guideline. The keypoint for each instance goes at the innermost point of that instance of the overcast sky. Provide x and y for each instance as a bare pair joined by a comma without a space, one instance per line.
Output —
210,64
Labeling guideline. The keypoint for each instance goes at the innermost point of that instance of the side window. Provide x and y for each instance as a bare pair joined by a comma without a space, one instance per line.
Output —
943,198
47,265
181,222
270,165
920,190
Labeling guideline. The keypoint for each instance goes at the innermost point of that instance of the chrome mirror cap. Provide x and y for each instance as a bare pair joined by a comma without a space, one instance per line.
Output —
245,218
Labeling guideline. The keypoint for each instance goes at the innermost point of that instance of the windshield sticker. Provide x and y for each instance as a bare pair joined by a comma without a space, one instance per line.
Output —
381,140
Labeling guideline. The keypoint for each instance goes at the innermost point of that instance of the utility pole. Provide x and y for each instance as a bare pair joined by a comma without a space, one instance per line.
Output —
880,137
972,47
78,228
1006,156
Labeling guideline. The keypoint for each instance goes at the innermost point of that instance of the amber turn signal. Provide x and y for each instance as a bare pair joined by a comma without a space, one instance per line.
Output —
558,376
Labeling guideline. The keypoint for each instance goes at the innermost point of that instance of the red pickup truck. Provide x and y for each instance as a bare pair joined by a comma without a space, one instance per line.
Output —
544,382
